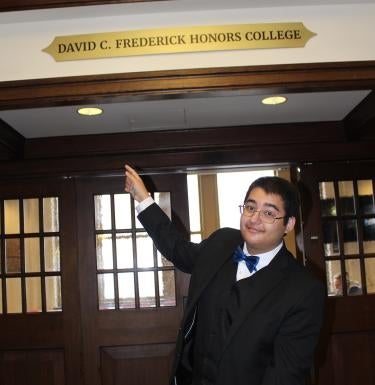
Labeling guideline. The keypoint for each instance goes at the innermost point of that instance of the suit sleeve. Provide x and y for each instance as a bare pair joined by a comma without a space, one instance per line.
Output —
296,341
168,240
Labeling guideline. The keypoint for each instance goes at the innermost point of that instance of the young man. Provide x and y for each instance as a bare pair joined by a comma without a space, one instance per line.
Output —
248,320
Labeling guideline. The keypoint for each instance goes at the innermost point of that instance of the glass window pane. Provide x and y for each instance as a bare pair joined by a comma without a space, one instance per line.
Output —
194,209
51,214
162,261
350,235
346,193
370,275
334,279
33,295
52,253
369,235
13,255
14,295
126,290
53,293
330,239
366,197
146,285
31,215
327,199
32,255
106,291
167,289
123,213
12,216
353,277
124,248
163,199
103,219
145,250
104,251
196,238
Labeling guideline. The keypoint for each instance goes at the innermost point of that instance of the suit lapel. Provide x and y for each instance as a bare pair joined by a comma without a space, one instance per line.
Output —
219,253
258,286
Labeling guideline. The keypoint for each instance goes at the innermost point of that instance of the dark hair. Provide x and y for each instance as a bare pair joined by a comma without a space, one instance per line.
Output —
279,186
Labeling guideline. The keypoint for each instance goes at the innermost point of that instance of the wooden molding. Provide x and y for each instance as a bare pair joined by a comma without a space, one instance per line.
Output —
21,5
361,118
183,140
196,147
11,142
187,83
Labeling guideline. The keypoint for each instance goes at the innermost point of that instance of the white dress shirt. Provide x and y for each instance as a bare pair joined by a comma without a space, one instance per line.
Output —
264,260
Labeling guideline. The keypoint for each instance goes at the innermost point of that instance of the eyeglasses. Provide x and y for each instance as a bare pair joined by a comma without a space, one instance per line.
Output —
266,216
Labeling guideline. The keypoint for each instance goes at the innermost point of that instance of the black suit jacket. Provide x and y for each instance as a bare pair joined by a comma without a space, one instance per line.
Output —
272,339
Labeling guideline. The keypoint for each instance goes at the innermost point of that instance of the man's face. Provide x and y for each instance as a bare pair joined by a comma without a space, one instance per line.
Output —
261,237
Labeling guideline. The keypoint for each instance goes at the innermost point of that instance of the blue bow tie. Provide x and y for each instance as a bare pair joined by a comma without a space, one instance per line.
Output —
251,261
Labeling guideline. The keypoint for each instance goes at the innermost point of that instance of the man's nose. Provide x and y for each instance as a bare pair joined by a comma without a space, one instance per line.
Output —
255,217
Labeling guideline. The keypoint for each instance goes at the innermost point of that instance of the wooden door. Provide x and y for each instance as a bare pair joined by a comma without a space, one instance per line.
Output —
40,335
339,239
131,296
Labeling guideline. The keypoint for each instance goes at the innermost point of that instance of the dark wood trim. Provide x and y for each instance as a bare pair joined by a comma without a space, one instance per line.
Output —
20,5
187,83
198,147
11,142
190,158
198,139
360,118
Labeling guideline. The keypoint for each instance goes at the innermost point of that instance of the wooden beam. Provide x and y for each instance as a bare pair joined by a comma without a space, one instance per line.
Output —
20,5
11,142
187,159
187,83
361,118
184,140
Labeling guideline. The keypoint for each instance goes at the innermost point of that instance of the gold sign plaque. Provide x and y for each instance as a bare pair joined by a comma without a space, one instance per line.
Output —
179,40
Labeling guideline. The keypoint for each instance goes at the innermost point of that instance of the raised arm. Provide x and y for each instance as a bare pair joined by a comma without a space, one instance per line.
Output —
134,185
166,237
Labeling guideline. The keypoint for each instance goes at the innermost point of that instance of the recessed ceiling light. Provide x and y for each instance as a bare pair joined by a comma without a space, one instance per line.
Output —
90,111
273,100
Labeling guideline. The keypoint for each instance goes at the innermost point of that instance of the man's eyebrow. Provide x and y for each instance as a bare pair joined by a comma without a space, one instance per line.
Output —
266,204
250,201
272,205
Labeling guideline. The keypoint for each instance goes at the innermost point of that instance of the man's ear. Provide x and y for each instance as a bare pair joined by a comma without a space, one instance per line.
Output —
290,224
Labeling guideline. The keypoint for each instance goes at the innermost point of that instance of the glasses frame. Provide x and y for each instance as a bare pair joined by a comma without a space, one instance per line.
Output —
261,215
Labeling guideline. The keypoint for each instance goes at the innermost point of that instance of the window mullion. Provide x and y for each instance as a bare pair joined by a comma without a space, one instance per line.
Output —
209,204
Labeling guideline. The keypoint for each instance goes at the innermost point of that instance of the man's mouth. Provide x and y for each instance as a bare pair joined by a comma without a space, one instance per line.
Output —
253,229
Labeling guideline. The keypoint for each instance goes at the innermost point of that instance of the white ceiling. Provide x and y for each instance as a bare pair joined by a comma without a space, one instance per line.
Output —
224,111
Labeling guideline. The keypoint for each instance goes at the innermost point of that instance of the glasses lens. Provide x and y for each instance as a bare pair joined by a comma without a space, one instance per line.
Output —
266,218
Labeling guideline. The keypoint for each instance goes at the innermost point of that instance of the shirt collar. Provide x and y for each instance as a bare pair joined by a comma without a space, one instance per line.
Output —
265,258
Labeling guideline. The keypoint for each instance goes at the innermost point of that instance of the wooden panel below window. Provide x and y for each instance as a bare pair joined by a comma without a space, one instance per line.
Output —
32,367
350,360
137,365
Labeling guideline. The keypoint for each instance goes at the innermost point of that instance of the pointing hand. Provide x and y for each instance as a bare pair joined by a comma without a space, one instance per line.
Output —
134,185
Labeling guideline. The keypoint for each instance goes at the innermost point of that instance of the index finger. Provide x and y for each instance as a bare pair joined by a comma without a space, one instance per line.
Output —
131,170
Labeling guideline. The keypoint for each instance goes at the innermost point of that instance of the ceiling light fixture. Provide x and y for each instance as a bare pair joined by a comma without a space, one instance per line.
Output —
90,111
273,100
